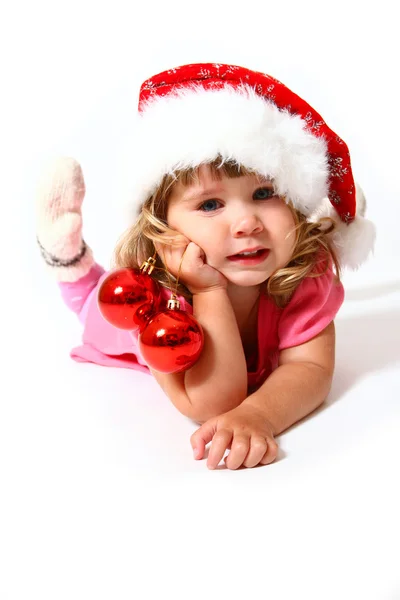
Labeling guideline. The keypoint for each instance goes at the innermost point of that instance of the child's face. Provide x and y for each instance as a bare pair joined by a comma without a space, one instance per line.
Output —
230,216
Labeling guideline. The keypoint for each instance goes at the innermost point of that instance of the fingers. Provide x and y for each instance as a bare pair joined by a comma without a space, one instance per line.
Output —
258,449
271,453
245,450
183,256
194,255
239,450
201,438
251,451
220,444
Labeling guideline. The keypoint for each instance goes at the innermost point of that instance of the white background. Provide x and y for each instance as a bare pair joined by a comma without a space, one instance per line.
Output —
100,497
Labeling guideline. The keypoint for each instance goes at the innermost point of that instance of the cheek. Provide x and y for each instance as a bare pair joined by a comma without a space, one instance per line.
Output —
290,241
196,231
172,218
284,232
202,236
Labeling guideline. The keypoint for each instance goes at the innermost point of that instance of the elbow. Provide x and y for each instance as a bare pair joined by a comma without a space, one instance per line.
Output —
208,400
324,384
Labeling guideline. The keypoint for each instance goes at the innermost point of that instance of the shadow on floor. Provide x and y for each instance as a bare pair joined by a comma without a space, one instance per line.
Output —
364,344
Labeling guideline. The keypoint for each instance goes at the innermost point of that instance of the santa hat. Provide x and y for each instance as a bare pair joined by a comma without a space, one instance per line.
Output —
193,114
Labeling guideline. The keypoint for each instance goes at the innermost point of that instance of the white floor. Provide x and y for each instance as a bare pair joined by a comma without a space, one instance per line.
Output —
100,496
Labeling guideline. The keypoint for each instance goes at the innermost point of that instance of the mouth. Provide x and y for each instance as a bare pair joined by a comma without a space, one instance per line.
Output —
250,257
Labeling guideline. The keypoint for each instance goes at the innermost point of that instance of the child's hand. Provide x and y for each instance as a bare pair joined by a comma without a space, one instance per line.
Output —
194,273
245,431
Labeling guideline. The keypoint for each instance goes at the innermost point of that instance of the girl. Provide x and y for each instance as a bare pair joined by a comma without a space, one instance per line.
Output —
247,199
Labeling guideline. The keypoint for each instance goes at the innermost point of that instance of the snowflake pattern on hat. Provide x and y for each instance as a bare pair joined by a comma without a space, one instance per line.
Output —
216,76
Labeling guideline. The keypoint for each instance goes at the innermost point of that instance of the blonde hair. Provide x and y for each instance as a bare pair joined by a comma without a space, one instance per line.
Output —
311,249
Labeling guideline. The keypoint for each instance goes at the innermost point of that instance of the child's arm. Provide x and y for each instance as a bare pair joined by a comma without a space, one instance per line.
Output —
297,387
300,383
218,381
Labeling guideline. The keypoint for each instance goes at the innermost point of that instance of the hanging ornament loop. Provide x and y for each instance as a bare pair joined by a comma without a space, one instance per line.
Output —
173,302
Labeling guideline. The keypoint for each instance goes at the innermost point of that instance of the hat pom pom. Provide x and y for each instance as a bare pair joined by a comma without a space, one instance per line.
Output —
354,241
361,202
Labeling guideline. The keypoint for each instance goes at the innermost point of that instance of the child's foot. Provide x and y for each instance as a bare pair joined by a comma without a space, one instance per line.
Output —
59,220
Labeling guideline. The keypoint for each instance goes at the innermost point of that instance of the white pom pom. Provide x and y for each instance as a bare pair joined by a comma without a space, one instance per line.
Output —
361,203
353,242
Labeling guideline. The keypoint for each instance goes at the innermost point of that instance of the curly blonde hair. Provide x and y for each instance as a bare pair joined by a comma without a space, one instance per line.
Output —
311,249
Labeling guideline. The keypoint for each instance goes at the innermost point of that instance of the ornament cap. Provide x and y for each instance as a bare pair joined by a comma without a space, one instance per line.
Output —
148,266
173,303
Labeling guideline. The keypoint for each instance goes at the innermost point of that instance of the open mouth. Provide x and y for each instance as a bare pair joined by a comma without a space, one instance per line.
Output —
250,258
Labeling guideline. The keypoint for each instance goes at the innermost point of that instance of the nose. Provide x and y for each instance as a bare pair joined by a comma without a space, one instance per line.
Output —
246,224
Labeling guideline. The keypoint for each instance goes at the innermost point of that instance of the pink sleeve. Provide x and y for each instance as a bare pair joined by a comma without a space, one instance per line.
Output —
313,306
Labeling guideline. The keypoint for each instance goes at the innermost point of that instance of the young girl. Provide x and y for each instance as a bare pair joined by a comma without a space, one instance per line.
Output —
243,192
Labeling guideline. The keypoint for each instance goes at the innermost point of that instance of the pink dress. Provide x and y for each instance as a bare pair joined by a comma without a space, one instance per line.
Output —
312,307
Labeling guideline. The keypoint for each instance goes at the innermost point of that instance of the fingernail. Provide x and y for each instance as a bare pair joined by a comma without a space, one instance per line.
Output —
195,452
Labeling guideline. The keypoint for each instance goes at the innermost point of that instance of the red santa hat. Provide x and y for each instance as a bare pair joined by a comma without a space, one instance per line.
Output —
191,115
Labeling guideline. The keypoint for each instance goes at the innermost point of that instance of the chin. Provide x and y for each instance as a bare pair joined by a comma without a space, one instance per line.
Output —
247,279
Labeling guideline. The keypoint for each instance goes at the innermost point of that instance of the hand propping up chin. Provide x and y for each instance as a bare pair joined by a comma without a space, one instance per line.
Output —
194,273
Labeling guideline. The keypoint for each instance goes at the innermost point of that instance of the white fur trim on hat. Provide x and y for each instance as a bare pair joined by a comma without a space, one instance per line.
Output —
237,124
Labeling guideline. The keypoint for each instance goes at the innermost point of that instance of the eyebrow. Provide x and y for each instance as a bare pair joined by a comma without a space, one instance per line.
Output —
200,195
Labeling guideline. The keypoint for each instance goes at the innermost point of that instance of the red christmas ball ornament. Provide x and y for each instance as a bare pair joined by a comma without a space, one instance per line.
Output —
172,340
127,298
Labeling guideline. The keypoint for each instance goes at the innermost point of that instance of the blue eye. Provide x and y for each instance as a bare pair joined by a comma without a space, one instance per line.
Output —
209,206
264,193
